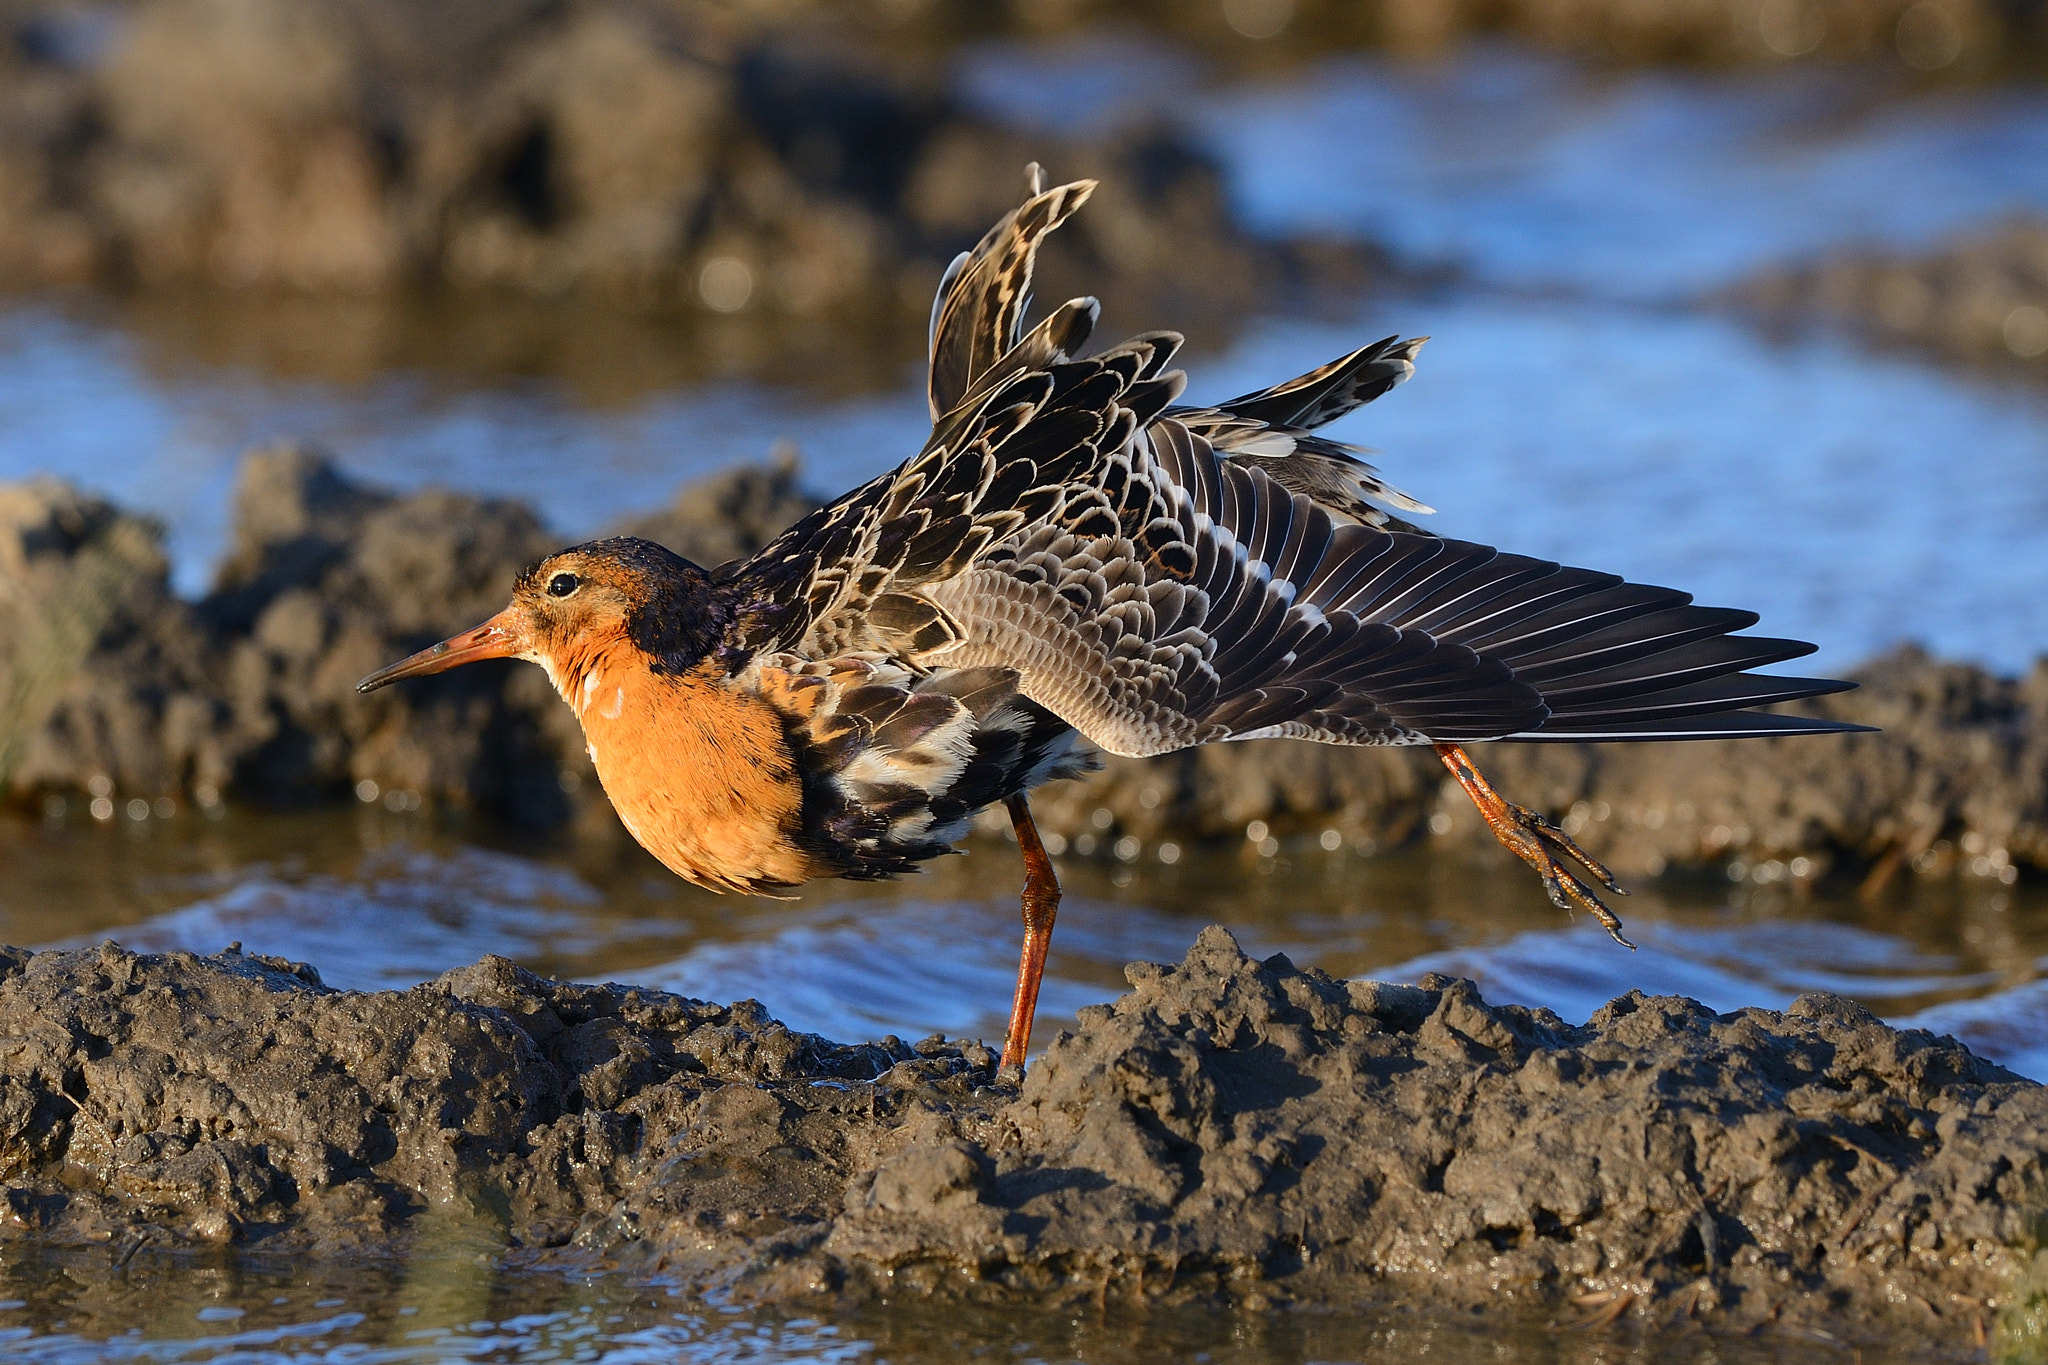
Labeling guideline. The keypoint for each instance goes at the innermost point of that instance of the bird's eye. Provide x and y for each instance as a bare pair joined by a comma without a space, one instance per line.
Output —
562,584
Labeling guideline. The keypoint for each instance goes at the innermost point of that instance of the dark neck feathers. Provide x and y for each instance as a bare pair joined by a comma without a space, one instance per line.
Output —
676,615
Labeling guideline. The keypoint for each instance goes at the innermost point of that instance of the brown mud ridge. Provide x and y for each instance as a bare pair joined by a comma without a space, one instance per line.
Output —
1231,1129
620,148
1952,37
112,687
739,164
1979,299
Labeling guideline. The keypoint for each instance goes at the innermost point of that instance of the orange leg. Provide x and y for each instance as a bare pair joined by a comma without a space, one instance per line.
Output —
1537,842
1041,906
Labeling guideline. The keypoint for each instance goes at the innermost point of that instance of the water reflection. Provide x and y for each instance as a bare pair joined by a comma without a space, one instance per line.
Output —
1727,968
72,1311
450,1298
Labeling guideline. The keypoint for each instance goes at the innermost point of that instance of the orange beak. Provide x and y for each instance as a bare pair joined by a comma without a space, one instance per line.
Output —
496,638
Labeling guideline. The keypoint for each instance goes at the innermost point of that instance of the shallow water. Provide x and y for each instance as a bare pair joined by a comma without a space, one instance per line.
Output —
1571,405
1526,172
377,900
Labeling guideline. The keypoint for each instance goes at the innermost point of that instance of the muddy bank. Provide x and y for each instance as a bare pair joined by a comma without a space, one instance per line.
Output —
744,163
117,692
814,151
1980,299
1957,37
760,169
1229,1129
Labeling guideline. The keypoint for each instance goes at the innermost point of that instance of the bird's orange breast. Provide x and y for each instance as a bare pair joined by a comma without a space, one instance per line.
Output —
702,776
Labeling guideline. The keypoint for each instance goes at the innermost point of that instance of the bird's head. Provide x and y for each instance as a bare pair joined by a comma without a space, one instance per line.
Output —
585,601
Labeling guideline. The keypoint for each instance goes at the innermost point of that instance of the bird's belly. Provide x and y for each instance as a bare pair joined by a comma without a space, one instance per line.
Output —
704,781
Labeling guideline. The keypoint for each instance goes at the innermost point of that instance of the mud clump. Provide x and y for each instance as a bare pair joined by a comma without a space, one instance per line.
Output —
727,161
1980,300
1230,1129
249,692
95,653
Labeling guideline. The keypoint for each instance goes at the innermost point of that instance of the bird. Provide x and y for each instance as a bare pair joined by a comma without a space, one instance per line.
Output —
1076,562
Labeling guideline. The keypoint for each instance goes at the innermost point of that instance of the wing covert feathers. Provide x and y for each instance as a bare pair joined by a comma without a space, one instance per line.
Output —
982,299
1272,430
1325,394
1160,576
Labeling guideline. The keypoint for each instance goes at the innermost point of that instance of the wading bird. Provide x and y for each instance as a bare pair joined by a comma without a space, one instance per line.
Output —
1073,557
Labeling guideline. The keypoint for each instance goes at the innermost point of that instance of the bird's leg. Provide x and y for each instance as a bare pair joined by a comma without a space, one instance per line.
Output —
1041,905
1537,842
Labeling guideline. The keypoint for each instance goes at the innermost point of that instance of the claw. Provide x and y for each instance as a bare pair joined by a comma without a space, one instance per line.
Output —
1548,830
1532,837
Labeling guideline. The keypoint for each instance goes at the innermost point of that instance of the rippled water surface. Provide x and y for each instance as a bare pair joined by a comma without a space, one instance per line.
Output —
377,900
1573,404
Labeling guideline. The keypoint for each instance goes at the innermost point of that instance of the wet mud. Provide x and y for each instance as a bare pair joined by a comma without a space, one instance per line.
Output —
1957,37
1230,1130
115,690
1980,299
739,162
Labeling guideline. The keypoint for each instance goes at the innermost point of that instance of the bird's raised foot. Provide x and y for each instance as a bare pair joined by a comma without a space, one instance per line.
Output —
1532,838
1537,841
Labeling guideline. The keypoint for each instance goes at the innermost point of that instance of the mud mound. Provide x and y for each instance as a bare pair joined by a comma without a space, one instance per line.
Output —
726,161
250,691
1980,300
1229,1129
105,678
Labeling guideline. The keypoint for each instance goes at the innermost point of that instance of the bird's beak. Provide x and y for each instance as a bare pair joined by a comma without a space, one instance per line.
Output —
497,638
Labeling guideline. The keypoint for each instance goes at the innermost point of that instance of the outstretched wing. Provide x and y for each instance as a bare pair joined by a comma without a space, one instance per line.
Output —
1159,577
1154,594
1142,588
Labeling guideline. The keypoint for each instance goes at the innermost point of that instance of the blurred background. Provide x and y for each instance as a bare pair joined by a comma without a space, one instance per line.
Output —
322,317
